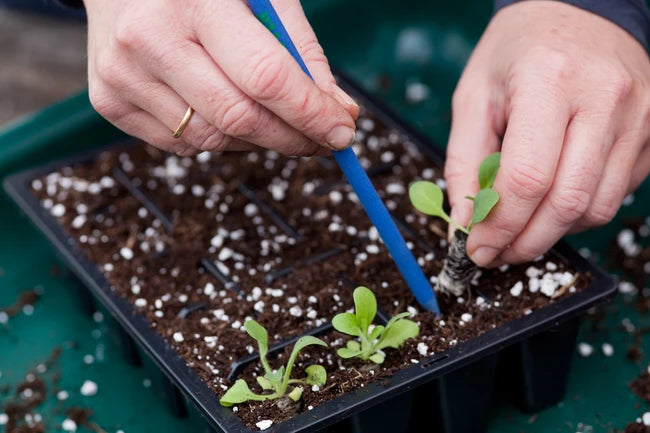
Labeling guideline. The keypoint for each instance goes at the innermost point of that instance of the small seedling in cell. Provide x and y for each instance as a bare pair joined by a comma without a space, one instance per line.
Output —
371,340
427,197
277,383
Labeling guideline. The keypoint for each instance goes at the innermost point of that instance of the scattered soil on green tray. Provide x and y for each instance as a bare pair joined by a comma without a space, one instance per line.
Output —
25,298
637,427
641,386
22,402
223,238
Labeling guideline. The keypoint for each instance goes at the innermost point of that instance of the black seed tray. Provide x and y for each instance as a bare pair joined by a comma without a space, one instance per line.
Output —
448,392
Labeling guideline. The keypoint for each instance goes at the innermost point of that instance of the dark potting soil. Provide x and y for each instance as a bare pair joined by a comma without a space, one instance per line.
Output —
201,244
641,386
637,427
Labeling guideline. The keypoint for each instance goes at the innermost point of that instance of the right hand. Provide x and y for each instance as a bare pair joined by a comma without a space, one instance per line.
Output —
149,59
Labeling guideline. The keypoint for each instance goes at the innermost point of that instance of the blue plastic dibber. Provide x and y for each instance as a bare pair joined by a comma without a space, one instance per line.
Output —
359,180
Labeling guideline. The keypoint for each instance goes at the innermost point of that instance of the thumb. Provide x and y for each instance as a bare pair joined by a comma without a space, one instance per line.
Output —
471,139
303,36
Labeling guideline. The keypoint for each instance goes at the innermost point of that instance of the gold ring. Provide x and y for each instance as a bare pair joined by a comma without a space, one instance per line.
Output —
186,119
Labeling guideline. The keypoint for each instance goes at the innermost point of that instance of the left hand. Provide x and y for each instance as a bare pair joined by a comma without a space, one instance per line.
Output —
568,92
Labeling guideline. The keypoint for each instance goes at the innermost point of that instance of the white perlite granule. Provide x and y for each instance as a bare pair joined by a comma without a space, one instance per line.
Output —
178,337
585,349
517,288
126,253
69,425
608,349
264,424
88,388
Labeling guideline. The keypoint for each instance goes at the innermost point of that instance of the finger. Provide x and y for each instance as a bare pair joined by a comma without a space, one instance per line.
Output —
614,185
200,82
259,65
588,141
641,168
140,124
293,16
537,121
467,147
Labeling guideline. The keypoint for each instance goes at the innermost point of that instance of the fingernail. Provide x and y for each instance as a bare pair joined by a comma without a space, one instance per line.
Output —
340,137
344,97
484,255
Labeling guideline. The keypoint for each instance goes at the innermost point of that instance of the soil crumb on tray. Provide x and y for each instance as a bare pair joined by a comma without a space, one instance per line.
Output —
199,245
22,411
641,385
638,427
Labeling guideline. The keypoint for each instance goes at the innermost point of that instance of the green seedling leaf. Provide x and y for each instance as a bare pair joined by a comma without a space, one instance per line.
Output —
316,375
346,353
395,335
239,393
347,323
264,383
397,317
275,376
427,198
353,345
375,333
258,332
365,305
483,204
295,393
303,342
488,170
377,358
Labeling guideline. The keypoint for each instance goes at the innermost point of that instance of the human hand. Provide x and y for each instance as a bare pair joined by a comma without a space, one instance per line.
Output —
149,59
568,94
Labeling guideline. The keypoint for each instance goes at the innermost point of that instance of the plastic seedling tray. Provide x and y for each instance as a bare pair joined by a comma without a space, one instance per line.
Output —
449,391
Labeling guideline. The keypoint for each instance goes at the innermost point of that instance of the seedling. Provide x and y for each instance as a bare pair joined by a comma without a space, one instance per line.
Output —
427,196
371,341
277,381
458,269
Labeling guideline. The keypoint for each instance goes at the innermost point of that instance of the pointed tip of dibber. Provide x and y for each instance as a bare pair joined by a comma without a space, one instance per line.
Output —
431,304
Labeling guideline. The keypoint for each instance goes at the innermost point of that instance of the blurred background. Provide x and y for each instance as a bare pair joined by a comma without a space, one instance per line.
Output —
43,56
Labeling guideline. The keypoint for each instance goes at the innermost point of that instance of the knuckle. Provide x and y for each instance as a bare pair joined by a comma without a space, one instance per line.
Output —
620,85
313,109
527,182
129,33
109,68
569,204
520,253
103,102
188,150
558,65
312,51
266,78
300,148
600,214
213,141
238,118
